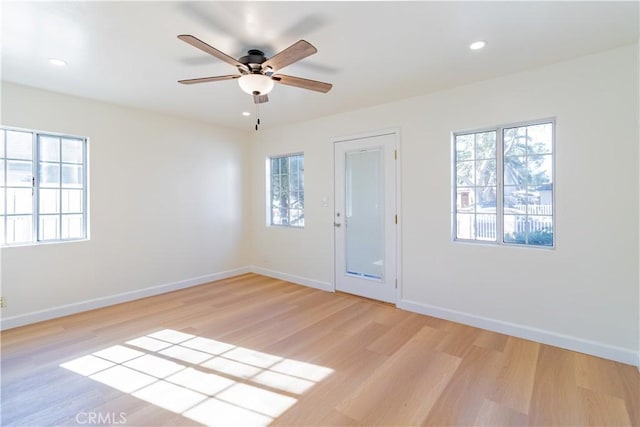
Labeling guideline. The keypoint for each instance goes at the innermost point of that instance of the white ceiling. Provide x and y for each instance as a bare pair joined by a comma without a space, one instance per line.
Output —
373,52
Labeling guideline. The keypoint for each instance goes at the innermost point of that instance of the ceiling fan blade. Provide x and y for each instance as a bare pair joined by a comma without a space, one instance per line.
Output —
209,79
196,42
295,52
260,99
302,83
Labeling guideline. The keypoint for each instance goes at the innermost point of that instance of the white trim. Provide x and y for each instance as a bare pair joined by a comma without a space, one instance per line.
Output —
581,345
323,286
369,134
91,304
399,215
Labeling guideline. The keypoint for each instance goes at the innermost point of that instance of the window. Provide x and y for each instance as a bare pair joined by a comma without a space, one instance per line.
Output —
503,188
286,195
42,187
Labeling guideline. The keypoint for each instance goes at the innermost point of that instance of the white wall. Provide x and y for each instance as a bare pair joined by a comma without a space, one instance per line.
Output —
175,202
582,294
167,207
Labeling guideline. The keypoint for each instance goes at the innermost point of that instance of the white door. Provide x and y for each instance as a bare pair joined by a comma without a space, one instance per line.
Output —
365,221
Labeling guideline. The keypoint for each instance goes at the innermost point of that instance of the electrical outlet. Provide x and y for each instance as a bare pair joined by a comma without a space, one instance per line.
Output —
2,302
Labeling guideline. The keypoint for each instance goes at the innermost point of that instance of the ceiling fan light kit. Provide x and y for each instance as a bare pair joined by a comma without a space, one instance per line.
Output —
255,84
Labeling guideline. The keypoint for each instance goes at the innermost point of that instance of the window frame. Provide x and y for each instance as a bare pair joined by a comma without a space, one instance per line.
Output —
269,192
500,205
35,160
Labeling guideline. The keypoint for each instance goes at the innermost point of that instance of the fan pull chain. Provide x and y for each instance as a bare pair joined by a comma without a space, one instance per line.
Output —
257,116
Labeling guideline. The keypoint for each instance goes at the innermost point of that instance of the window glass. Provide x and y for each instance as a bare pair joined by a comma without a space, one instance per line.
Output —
49,174
72,150
475,186
19,145
19,173
49,201
72,176
19,201
19,229
50,148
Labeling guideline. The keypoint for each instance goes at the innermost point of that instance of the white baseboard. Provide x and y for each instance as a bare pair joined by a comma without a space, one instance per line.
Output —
594,348
323,286
65,310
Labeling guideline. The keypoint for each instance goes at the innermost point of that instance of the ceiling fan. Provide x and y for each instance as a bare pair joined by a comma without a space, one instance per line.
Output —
257,72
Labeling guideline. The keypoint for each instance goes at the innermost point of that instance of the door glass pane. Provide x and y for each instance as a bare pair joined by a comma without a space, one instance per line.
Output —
364,216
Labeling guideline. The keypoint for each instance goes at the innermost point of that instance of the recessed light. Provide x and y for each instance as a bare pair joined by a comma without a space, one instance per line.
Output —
246,113
57,62
477,45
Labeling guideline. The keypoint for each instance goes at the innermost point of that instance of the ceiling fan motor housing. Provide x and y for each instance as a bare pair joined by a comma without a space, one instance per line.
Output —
253,60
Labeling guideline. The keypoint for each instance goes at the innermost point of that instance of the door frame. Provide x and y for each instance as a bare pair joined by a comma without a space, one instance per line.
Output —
395,131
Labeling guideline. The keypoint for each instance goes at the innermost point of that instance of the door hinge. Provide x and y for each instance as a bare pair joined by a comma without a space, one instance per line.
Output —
396,219
395,154
396,283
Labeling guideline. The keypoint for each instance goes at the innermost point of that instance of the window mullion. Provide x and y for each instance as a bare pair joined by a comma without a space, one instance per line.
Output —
499,186
527,226
60,191
85,186
35,185
4,201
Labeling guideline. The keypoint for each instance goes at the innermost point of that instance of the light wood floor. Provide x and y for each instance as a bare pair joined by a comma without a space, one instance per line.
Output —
252,350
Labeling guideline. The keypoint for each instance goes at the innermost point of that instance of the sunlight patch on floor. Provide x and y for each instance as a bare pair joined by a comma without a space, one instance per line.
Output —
208,381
